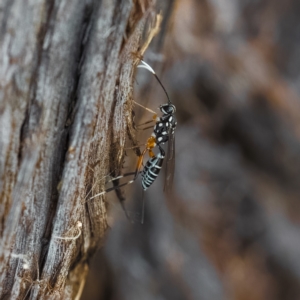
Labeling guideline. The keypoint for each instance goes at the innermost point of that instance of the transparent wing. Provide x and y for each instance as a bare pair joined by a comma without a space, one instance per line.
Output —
170,164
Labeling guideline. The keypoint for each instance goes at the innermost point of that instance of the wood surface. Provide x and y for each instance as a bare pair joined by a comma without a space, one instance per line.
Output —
66,76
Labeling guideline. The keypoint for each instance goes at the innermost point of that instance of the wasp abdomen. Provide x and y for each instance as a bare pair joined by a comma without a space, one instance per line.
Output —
152,169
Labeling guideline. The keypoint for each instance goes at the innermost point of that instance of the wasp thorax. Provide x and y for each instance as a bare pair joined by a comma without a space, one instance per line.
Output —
168,109
151,142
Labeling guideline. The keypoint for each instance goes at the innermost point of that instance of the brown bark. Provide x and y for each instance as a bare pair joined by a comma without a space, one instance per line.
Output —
66,87
231,231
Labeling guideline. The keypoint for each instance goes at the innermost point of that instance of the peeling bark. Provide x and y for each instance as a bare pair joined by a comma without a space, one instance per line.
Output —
66,77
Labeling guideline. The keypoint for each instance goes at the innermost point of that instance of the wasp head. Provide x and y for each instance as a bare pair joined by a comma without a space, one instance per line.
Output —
168,109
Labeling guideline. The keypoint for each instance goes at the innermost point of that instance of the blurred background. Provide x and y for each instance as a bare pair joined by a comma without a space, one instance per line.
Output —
231,228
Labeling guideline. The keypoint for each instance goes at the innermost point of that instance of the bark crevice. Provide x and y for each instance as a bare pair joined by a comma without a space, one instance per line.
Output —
67,120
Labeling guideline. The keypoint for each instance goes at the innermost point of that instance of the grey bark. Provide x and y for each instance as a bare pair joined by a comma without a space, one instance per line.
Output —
231,230
66,76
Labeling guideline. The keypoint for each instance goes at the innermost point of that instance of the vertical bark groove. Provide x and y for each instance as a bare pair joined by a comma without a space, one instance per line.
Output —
61,109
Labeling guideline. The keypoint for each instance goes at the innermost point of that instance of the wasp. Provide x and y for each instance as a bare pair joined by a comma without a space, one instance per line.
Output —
163,132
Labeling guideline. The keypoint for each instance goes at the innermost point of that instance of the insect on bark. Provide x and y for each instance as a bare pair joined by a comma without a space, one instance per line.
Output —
163,132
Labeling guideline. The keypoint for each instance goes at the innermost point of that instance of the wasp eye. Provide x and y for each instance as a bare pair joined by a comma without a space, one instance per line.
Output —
167,109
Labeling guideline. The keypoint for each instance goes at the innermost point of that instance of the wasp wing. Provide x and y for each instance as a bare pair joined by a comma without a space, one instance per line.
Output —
170,164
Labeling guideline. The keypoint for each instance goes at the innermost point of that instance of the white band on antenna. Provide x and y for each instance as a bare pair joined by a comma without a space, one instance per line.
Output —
146,66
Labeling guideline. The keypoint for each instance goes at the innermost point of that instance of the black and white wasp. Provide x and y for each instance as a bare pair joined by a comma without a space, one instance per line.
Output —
163,132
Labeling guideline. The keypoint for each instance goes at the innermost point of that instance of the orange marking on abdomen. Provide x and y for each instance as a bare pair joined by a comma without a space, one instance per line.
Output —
151,153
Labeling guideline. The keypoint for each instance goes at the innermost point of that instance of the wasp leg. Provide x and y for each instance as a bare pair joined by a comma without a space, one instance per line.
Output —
150,121
143,207
147,128
148,109
117,186
134,147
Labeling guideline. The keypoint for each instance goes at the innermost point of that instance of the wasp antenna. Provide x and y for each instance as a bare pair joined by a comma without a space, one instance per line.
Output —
147,67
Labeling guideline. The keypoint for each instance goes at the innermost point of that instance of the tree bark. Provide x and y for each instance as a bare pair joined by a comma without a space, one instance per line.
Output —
66,76
231,229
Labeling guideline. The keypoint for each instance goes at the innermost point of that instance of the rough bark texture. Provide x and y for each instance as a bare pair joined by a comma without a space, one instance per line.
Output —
66,76
231,231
